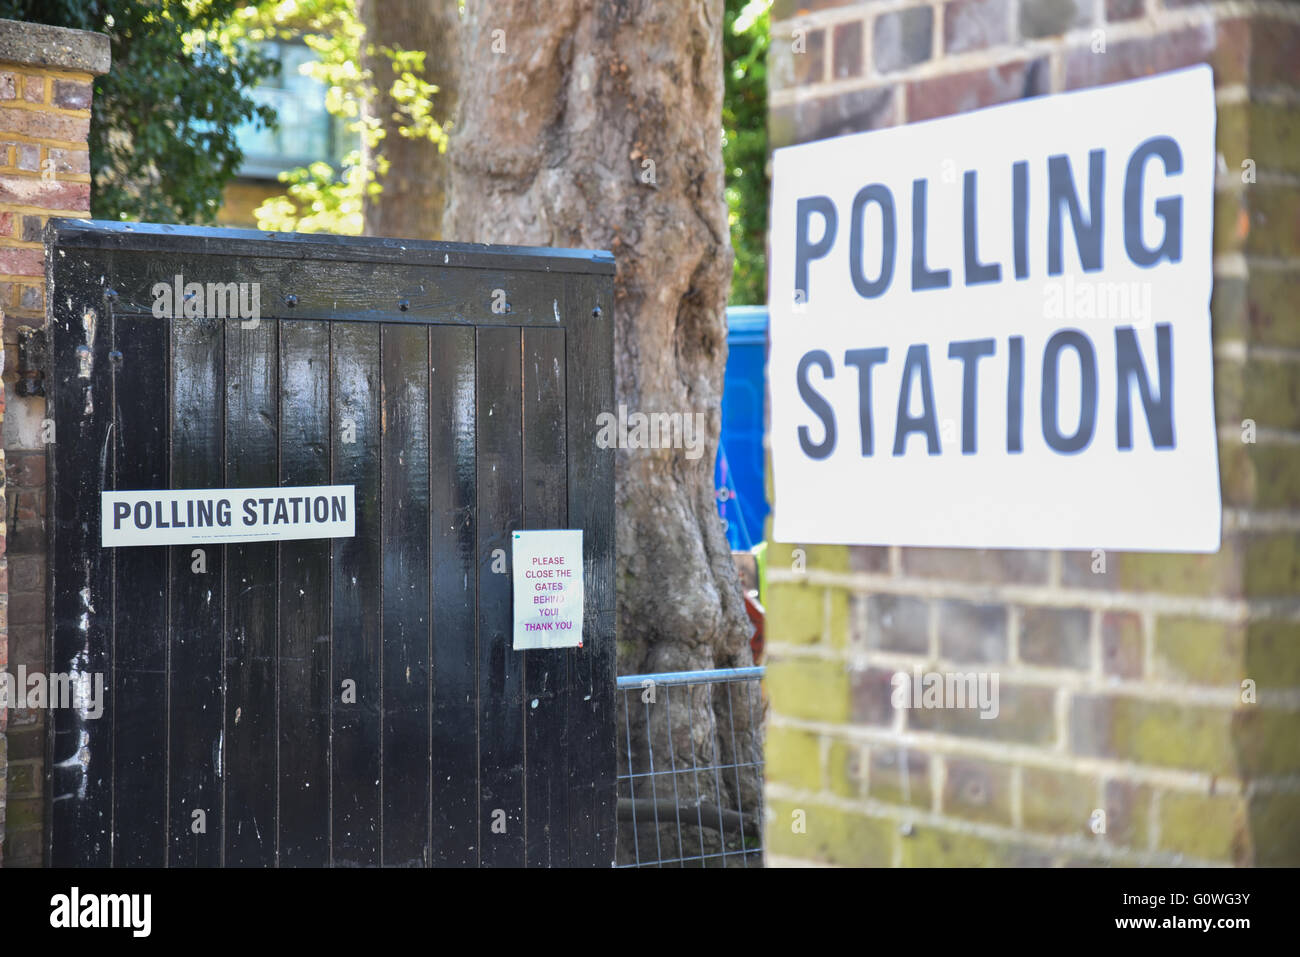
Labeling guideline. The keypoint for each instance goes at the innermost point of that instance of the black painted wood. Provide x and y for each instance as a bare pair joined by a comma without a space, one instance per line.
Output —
546,670
500,669
304,607
249,760
356,681
452,490
140,599
196,580
396,292
79,755
195,241
407,630
356,701
589,346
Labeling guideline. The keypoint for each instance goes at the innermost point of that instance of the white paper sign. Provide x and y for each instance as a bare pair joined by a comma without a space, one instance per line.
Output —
212,516
547,569
993,329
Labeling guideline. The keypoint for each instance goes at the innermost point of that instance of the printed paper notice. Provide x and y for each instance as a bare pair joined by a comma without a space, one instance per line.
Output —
547,569
212,516
993,330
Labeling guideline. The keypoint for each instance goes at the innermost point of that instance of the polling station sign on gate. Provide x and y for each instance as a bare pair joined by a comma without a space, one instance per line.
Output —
234,515
993,329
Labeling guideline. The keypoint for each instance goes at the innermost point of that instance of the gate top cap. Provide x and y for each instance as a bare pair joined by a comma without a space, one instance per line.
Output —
217,241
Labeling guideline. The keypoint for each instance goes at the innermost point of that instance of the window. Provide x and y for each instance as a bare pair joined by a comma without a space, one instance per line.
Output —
307,132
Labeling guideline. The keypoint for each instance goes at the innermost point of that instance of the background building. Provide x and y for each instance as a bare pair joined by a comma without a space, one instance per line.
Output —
307,134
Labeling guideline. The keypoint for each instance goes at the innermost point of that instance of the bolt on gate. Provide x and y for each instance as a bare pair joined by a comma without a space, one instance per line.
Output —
344,700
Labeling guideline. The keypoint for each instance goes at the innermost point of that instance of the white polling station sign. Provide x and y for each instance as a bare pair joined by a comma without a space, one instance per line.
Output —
212,516
993,330
548,588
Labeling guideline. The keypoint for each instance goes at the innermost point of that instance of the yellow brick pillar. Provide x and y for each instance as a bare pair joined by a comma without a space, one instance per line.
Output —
46,77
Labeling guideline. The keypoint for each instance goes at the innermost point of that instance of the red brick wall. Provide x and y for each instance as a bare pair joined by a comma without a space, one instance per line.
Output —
45,93
1121,688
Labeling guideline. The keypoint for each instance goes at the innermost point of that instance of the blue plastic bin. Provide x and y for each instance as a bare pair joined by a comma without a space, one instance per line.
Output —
739,475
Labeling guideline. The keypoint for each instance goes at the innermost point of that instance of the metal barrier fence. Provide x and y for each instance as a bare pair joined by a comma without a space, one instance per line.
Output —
690,776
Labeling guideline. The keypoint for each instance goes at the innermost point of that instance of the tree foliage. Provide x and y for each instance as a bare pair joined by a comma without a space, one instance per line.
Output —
162,132
320,198
162,135
744,144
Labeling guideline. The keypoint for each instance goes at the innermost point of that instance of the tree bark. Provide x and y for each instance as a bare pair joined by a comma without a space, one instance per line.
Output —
413,200
597,124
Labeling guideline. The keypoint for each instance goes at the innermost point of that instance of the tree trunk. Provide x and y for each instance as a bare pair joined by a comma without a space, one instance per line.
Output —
413,200
598,125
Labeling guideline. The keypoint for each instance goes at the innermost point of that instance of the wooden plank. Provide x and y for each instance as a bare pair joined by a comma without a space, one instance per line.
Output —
80,808
500,668
349,250
545,670
304,609
249,765
590,390
140,600
196,577
355,680
390,293
407,633
454,809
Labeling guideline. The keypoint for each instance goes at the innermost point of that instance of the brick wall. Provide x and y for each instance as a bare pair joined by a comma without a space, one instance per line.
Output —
1121,674
45,90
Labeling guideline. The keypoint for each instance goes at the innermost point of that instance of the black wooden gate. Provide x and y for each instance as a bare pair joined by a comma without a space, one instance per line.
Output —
457,387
